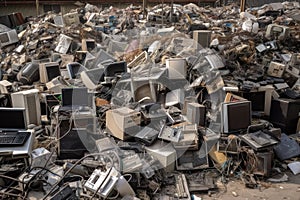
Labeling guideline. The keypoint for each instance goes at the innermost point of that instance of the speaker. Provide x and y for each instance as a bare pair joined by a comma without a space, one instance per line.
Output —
284,114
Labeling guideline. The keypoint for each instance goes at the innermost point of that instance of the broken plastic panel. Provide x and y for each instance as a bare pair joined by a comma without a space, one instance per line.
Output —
64,44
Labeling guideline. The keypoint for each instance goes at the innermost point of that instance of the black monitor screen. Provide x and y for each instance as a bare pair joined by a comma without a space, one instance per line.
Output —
52,71
115,68
12,118
239,116
75,97
4,37
257,100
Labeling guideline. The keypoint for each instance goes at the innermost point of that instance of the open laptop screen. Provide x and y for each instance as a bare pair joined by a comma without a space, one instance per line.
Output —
75,97
12,119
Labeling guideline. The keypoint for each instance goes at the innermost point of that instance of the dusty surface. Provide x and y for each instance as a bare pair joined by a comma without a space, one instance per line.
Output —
236,190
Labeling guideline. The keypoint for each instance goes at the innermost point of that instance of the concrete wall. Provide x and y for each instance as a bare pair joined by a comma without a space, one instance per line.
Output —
255,3
26,10
30,10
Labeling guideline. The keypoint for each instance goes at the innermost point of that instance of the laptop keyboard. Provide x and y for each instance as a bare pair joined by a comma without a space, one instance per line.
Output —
13,138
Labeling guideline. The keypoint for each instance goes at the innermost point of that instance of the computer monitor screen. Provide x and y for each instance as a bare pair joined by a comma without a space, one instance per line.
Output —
236,116
115,68
4,37
52,71
257,100
12,118
75,97
75,69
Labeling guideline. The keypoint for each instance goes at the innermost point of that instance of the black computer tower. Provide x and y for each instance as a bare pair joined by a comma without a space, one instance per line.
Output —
73,138
284,114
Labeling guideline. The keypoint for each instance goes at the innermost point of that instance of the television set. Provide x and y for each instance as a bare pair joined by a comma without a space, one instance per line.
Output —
75,97
92,78
115,68
235,116
13,119
49,71
74,69
8,37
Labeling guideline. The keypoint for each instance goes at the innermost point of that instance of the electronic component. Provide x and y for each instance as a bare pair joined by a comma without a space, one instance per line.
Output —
164,153
142,57
189,138
13,138
202,37
258,142
235,116
120,120
182,191
169,134
5,87
177,68
28,99
196,113
146,135
131,164
275,31
102,182
276,69
9,37
65,193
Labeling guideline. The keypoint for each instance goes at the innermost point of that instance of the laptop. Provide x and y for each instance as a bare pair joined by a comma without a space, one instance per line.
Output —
75,99
15,139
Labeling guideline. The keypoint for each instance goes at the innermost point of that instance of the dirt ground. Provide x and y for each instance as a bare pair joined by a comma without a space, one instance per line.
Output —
289,190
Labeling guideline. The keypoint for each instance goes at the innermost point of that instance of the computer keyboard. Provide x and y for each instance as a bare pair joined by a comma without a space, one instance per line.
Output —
13,138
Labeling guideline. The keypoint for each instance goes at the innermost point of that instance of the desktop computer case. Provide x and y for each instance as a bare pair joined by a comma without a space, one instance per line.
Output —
28,99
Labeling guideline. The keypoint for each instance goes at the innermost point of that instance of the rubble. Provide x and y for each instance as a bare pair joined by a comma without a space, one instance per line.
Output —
116,104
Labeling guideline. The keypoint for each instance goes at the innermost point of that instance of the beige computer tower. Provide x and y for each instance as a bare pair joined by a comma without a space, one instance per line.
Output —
28,99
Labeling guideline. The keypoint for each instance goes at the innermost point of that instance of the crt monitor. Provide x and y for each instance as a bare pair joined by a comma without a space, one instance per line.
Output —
48,71
74,69
52,71
115,68
9,37
257,100
75,97
93,76
142,89
236,116
12,118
